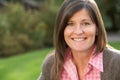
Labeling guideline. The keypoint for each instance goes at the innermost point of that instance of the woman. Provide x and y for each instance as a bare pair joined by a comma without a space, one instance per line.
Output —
80,46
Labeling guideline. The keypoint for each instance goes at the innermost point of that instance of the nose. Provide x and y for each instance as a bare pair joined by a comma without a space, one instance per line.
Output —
78,29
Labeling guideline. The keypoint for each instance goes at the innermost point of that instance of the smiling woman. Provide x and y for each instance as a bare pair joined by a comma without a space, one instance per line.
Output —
80,30
81,51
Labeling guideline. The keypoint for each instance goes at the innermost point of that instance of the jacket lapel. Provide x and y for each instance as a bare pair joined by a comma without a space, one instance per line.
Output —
106,74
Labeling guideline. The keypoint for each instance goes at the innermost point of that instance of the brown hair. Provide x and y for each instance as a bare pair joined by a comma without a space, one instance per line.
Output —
68,8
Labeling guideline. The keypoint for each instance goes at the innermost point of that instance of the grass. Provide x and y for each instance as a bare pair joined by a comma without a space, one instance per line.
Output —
27,66
115,44
22,67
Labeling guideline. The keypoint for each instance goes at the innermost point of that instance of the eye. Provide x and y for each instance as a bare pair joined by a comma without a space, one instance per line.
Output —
86,24
70,24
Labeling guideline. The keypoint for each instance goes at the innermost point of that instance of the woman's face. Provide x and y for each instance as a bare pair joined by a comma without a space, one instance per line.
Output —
80,32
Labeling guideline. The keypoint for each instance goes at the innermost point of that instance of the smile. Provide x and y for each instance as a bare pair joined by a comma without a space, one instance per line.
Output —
78,39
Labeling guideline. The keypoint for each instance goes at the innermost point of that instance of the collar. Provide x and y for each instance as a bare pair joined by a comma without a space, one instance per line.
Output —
97,61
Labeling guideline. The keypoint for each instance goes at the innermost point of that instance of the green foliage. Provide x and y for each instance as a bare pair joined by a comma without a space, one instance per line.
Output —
49,19
22,30
23,67
110,13
10,45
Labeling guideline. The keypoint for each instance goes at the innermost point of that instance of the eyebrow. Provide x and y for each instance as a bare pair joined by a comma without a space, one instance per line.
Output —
81,20
87,20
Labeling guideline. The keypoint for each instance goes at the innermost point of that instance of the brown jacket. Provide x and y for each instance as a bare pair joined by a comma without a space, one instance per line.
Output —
111,65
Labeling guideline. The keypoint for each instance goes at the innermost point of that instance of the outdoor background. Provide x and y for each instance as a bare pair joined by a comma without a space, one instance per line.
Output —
26,34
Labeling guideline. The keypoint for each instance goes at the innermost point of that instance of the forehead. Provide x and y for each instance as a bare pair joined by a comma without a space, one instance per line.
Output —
81,14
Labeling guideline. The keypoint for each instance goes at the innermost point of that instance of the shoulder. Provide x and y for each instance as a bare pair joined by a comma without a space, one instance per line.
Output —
111,56
46,67
111,63
112,52
48,61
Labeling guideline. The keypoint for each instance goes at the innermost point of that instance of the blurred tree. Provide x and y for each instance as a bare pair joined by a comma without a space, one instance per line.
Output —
111,9
112,12
2,3
28,5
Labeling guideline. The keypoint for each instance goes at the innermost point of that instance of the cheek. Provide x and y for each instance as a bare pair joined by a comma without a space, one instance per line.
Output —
67,31
91,32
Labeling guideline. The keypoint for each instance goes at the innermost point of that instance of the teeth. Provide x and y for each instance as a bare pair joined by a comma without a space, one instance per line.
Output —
80,39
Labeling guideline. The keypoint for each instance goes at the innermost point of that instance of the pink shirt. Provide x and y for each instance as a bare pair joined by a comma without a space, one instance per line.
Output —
94,68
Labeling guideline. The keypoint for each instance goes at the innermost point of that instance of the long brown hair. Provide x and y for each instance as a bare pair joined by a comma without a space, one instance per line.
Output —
68,8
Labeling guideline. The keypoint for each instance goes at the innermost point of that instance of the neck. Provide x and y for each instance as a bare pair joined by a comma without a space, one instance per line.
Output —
82,58
82,55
